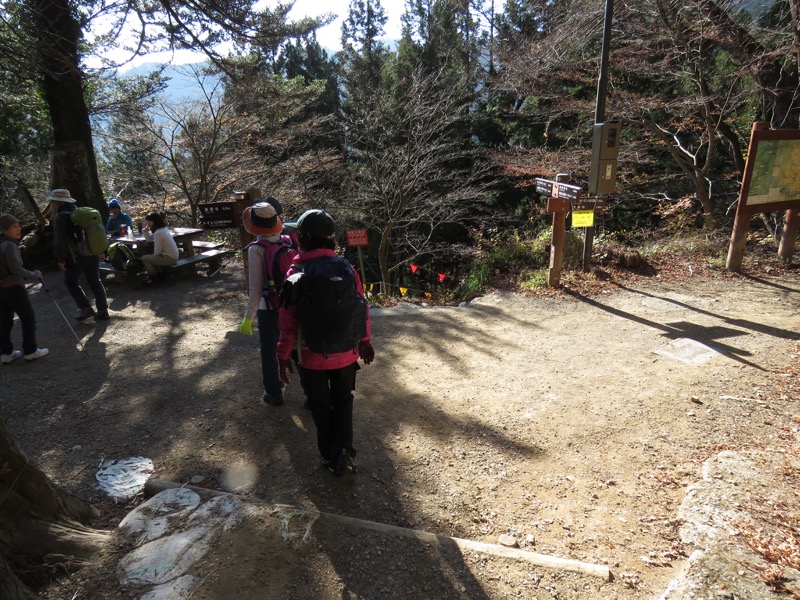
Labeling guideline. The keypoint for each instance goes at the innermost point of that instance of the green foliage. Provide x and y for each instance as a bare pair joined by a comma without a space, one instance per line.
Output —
363,56
440,37
501,255
535,279
25,130
305,58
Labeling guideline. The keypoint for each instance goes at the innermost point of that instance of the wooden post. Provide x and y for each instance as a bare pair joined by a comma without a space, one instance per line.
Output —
560,194
791,224
557,241
559,207
361,264
243,200
742,221
738,240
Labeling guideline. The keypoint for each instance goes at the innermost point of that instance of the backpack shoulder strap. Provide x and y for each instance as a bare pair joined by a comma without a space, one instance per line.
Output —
272,252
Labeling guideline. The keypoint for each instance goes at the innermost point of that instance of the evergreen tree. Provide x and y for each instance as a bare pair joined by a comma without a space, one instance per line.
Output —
439,33
129,155
305,58
363,56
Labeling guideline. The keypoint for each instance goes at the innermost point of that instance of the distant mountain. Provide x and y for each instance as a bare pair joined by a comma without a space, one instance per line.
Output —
755,7
181,84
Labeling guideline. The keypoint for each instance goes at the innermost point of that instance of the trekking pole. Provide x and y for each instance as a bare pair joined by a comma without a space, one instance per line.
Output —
66,320
225,264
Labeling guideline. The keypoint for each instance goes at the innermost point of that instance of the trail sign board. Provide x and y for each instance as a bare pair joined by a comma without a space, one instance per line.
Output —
555,189
357,237
218,215
589,204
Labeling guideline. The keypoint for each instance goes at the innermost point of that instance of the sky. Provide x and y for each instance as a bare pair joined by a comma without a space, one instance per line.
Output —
329,37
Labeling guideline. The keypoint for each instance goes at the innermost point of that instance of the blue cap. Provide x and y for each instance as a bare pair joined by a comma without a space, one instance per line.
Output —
114,203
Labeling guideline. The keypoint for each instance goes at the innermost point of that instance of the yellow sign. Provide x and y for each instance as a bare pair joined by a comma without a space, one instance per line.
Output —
583,218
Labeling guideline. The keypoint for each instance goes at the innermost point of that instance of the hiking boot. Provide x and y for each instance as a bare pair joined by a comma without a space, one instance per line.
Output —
102,315
7,359
86,313
275,399
38,354
345,463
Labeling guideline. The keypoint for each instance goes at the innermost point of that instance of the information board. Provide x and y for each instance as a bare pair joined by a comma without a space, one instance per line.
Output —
771,182
583,218
357,237
218,215
775,176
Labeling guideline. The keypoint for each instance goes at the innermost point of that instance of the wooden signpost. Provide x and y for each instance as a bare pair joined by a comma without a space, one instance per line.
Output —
770,183
560,194
228,215
562,198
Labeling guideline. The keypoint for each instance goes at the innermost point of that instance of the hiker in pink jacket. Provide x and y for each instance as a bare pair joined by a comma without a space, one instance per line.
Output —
324,311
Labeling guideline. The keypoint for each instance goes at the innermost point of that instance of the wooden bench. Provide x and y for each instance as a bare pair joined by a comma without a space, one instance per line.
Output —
203,245
213,258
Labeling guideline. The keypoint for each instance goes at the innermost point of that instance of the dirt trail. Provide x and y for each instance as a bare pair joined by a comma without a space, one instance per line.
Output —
549,419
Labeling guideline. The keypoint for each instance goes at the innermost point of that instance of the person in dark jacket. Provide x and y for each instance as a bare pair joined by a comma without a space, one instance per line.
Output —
73,264
330,378
14,296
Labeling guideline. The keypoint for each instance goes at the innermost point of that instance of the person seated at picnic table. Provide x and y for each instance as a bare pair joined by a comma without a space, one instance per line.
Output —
117,218
165,250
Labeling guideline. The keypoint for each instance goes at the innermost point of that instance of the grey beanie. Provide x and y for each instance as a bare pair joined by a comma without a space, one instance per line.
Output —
7,221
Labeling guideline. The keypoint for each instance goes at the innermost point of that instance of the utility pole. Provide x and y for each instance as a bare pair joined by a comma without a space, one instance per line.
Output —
599,118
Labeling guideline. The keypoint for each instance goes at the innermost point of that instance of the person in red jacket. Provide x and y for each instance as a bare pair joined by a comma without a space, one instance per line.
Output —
329,376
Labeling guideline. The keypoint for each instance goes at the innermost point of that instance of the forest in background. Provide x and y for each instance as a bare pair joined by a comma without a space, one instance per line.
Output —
433,143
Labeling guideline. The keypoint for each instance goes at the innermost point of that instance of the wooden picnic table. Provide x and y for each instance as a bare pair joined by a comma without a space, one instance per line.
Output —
140,244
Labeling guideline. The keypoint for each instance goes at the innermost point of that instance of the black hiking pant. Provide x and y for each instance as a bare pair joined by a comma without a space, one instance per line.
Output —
330,396
89,266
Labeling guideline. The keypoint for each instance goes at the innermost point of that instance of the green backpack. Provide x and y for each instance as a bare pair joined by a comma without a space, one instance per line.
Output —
122,258
89,233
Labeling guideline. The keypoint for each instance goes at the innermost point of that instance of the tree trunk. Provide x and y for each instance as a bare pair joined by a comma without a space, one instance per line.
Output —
74,165
697,175
383,259
40,524
703,191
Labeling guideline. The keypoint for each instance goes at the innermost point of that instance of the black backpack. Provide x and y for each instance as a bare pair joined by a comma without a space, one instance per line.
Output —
332,313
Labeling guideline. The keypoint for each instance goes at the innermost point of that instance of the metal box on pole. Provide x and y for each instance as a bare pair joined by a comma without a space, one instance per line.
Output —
605,152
